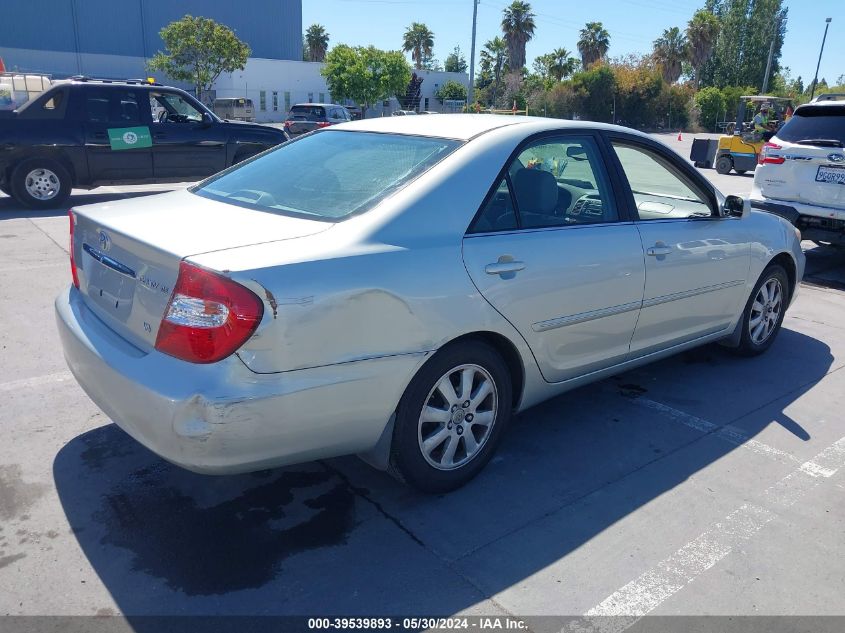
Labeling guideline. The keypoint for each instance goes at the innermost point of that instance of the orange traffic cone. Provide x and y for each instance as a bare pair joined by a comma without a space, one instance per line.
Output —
680,138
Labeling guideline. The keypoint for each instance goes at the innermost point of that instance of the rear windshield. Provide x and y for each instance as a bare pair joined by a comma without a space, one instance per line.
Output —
815,123
311,113
328,175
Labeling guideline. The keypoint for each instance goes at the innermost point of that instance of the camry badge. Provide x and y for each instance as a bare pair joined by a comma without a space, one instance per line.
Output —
836,158
105,241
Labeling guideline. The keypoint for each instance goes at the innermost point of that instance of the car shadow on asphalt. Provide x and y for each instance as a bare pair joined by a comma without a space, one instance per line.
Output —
337,537
11,210
825,266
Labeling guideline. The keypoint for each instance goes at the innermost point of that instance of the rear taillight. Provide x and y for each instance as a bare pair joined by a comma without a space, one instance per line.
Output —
73,272
323,124
765,159
208,317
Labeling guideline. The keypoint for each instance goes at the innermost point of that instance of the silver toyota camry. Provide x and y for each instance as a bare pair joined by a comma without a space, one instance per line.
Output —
399,287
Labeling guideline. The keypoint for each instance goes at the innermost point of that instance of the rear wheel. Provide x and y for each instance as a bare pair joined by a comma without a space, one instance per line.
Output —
764,311
451,417
40,183
724,164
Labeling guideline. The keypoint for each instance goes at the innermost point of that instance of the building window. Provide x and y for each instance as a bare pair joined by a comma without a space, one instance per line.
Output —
322,97
262,100
310,97
426,104
287,102
275,101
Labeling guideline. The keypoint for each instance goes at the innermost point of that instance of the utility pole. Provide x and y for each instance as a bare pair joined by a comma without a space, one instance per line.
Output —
816,78
470,100
771,56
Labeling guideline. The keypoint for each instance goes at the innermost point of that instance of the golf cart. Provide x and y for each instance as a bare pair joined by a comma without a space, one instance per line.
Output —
738,150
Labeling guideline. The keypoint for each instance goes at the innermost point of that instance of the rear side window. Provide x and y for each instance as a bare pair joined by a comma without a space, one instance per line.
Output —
815,123
112,106
328,175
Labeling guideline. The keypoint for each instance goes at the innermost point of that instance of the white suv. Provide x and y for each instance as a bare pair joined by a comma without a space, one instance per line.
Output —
801,172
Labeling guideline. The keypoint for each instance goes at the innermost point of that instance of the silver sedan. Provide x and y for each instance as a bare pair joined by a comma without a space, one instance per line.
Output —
399,287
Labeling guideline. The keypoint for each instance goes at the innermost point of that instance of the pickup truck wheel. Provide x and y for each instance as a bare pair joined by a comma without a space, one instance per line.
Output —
451,417
40,183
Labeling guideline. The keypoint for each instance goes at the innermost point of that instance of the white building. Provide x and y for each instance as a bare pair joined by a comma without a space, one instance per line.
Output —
275,85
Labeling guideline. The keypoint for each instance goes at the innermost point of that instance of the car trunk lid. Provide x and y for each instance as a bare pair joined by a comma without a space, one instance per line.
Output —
127,253
809,173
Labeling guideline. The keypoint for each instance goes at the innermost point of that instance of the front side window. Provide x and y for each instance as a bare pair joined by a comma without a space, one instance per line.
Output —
328,175
661,190
173,108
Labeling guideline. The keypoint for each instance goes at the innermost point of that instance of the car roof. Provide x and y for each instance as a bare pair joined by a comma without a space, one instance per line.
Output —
464,127
821,107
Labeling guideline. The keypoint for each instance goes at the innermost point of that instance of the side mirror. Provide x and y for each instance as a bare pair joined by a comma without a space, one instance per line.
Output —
207,119
733,207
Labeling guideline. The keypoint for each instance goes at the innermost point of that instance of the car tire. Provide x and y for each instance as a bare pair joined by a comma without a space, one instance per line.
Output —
431,448
41,183
723,165
764,311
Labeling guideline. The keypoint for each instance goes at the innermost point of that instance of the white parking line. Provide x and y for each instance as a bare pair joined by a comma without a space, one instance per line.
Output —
37,381
641,596
729,433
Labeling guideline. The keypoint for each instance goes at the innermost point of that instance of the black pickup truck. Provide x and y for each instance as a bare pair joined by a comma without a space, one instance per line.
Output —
86,133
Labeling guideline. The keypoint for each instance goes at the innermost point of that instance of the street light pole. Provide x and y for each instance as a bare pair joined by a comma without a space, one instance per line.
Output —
470,101
816,78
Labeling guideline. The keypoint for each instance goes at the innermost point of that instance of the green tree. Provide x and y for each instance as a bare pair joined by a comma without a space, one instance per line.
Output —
494,62
563,64
197,51
451,90
702,31
595,89
419,41
593,43
748,28
518,28
710,104
317,42
670,50
365,75
455,62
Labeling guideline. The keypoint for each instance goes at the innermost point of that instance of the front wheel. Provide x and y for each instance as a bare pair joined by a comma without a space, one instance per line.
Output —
40,183
764,311
724,164
451,417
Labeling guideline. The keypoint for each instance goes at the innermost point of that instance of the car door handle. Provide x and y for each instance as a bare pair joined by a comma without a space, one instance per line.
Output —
658,250
504,267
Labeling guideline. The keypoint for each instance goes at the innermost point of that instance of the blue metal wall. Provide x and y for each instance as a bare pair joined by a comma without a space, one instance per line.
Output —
272,28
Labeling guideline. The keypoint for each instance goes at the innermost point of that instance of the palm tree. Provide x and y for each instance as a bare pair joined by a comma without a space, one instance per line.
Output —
563,64
702,31
670,50
418,40
317,41
518,27
593,43
494,56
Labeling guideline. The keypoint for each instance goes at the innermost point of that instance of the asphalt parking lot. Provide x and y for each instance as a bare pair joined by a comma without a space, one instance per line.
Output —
704,484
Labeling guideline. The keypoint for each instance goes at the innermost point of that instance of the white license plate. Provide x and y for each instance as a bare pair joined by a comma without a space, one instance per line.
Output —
834,175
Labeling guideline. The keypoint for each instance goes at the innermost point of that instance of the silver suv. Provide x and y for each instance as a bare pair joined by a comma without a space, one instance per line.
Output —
801,172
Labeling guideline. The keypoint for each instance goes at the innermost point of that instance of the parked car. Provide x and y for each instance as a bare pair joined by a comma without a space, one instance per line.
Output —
403,113
235,109
86,133
405,288
801,172
307,117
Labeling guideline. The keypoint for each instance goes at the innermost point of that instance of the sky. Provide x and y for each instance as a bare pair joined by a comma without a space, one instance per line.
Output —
633,26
